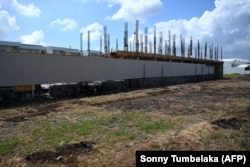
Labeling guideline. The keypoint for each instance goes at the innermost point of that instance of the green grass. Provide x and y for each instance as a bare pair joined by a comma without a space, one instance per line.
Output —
154,126
118,127
231,75
7,146
228,139
51,135
123,134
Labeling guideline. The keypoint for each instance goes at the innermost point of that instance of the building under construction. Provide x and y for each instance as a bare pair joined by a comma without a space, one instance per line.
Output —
121,70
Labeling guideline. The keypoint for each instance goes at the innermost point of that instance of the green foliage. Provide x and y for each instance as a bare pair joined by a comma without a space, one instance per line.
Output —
12,50
41,51
24,51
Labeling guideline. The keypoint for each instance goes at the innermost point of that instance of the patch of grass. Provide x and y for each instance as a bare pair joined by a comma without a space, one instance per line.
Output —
231,75
84,128
217,135
244,143
7,146
123,134
53,134
28,148
67,131
117,127
227,139
123,119
94,101
152,127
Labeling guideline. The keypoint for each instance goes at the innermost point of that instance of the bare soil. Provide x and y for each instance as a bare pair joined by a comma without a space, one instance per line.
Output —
62,155
213,115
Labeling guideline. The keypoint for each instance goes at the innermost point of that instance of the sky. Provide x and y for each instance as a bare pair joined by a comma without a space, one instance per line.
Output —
59,23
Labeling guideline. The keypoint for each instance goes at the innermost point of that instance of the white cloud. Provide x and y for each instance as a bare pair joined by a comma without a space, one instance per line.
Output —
135,9
29,10
64,24
95,31
4,2
83,1
35,38
131,9
8,24
227,25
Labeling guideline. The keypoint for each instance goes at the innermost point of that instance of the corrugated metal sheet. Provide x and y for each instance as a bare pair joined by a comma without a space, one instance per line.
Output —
27,69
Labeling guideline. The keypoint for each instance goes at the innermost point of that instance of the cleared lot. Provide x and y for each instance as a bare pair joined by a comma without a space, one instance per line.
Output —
107,130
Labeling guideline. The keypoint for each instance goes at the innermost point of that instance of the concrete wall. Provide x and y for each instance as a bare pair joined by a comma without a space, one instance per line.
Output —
27,69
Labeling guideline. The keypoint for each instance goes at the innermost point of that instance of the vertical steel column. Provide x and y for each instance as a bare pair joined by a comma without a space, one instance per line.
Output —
160,43
191,46
100,44
182,40
146,40
195,49
141,42
108,43
116,44
205,54
150,47
105,41
137,36
166,47
81,43
212,51
201,53
169,42
134,42
217,52
182,46
198,49
154,39
174,48
126,37
221,53
88,43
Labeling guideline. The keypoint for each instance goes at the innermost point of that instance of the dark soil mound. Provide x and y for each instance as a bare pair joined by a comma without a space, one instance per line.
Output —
16,119
63,155
231,123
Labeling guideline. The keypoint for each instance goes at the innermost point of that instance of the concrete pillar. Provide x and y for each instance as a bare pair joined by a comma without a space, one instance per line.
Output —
33,91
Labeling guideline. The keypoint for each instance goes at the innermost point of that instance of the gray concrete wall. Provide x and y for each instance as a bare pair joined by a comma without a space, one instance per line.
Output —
27,69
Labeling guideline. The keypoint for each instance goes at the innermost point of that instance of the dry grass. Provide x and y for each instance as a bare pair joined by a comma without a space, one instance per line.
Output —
179,117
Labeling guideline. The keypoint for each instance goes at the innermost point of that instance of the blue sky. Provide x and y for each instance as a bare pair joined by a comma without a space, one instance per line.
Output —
59,22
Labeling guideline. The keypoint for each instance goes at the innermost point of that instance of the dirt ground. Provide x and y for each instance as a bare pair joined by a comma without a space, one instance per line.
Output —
212,115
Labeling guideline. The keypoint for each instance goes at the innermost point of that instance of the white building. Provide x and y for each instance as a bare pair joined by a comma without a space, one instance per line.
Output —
236,66
7,46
